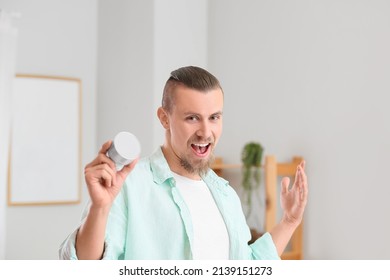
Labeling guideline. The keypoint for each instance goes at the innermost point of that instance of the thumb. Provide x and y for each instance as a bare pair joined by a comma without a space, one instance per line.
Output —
285,184
105,147
127,168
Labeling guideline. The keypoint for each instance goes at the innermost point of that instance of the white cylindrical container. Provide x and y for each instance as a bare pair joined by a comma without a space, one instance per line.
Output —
124,149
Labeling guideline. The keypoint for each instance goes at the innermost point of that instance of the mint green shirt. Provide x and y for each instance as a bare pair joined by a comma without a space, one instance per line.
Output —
150,220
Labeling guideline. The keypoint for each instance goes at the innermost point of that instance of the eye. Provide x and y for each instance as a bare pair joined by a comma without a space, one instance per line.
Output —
192,118
215,117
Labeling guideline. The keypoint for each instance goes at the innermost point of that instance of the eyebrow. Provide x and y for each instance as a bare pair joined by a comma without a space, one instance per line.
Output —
218,113
193,113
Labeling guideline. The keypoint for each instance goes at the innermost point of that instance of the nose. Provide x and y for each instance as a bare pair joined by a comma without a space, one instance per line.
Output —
204,130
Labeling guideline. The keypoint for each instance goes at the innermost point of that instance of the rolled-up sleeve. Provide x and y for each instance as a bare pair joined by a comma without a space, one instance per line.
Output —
264,248
67,249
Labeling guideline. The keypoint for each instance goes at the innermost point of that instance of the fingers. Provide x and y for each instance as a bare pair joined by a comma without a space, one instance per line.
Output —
102,158
301,180
302,164
106,174
294,199
102,174
105,147
128,168
102,168
285,184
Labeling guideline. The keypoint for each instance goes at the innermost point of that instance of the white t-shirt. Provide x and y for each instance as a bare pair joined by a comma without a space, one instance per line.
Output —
211,239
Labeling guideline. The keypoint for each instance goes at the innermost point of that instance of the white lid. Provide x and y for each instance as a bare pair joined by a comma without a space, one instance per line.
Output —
127,145
124,149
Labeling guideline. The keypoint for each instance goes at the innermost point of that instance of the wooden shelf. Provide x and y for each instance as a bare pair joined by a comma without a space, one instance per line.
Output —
225,166
218,166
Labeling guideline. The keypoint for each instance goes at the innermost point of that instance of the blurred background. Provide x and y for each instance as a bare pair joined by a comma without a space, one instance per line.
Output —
307,78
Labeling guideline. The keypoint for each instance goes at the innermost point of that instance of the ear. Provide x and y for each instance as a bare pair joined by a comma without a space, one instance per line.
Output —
163,117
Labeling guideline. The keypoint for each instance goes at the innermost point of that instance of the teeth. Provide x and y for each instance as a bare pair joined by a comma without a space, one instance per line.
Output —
202,145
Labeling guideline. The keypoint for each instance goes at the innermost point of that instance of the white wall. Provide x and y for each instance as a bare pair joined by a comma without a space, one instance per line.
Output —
55,38
8,44
125,72
311,78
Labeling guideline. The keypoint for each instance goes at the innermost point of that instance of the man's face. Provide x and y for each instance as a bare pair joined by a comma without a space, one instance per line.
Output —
193,130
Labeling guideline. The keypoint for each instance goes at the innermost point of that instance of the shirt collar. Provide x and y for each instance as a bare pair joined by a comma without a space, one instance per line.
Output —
213,180
160,168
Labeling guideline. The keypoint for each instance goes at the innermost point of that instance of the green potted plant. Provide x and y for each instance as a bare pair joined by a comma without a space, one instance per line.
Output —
251,157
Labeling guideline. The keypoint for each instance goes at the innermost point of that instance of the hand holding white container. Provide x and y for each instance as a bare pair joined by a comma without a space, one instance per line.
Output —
124,149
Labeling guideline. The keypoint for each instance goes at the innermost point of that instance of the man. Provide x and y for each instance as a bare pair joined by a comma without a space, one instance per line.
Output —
171,205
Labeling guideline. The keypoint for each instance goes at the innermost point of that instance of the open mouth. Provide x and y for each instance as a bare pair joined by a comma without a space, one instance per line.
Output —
201,149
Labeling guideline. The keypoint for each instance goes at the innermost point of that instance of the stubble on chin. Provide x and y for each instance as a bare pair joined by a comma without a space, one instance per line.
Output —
200,168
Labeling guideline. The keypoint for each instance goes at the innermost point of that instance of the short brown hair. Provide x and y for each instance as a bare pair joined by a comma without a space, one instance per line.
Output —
190,76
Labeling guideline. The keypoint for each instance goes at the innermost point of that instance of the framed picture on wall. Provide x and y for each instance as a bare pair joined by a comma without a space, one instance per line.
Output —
45,144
